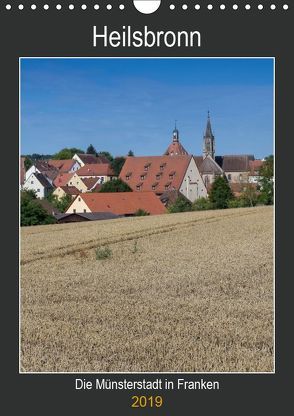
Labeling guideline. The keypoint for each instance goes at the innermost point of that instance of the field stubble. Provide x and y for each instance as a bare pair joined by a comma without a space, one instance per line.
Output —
181,292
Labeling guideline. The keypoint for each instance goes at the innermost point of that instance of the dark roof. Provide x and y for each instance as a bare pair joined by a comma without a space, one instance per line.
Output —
70,190
43,180
210,166
87,158
236,163
91,216
228,163
90,182
207,165
170,197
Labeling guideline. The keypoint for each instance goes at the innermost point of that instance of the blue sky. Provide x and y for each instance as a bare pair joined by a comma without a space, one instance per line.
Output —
123,104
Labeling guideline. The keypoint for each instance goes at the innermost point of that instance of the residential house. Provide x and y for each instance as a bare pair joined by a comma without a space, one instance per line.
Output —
160,174
100,171
38,183
119,203
42,166
62,191
254,174
62,179
86,159
65,166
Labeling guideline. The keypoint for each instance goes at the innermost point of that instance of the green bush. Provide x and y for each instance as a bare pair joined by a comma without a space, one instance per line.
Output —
103,253
202,204
116,185
181,204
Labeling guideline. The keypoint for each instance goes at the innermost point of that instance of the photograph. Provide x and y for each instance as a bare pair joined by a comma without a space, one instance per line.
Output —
146,220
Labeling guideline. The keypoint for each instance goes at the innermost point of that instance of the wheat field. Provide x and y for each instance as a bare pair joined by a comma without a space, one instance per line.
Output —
189,292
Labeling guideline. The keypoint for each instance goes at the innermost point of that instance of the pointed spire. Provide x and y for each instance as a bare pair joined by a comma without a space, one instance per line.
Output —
208,140
208,132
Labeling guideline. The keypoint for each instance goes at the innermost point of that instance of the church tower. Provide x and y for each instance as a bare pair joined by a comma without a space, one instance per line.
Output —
176,148
208,140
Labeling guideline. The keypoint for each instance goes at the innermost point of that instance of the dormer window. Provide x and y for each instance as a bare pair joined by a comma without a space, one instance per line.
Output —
172,175
154,186
128,175
158,176
139,186
162,166
143,176
146,167
167,185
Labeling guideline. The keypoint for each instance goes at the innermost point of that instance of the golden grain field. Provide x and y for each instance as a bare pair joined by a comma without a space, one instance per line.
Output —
181,292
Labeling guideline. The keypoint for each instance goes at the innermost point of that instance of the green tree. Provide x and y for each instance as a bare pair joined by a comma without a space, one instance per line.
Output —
248,197
31,212
67,153
106,154
130,153
220,193
201,204
181,204
116,185
117,165
62,203
91,150
266,183
27,163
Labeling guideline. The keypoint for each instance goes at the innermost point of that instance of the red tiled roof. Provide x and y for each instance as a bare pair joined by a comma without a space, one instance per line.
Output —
255,165
62,165
135,166
176,148
123,203
70,190
62,179
95,169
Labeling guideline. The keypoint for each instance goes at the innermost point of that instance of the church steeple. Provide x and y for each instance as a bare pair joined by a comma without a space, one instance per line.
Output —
208,140
176,137
176,148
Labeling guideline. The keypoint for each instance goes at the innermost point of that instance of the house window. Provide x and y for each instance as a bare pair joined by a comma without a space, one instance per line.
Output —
38,190
240,177
229,177
79,198
32,182
70,183
85,210
74,211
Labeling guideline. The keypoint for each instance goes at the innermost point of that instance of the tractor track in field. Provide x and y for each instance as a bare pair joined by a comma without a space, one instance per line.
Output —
72,249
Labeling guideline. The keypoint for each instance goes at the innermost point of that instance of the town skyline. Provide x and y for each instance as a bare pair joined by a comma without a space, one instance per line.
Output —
118,105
